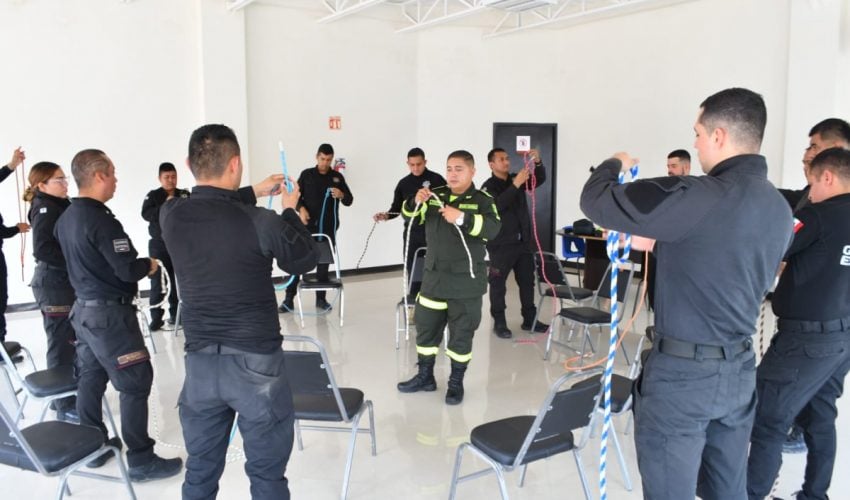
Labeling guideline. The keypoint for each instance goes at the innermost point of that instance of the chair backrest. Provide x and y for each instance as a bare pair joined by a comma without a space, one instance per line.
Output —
417,270
309,372
14,448
327,252
9,365
624,279
572,246
563,411
550,264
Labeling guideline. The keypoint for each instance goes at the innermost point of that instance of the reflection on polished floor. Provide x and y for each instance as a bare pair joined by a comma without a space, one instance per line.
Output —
417,434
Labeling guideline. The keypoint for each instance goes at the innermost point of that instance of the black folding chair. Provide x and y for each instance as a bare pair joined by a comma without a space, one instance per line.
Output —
57,449
48,385
548,266
327,255
402,314
16,353
318,398
592,316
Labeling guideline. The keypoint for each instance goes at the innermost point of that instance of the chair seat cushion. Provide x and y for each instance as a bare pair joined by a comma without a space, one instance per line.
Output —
12,348
313,283
586,315
322,406
52,381
621,391
563,292
56,444
501,440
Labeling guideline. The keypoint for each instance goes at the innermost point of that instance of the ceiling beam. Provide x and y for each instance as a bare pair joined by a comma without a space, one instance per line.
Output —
234,5
341,10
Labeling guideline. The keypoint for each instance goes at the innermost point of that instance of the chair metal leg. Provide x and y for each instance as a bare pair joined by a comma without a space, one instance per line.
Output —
29,356
143,325
44,410
63,486
300,306
522,474
178,317
298,440
456,470
341,306
123,470
407,323
627,480
355,424
555,329
20,413
11,387
537,312
108,411
581,475
372,426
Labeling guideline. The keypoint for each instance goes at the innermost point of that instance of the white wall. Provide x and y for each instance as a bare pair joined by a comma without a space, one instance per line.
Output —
121,77
136,78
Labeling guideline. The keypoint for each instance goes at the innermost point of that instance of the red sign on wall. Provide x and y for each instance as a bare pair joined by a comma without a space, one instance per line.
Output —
335,122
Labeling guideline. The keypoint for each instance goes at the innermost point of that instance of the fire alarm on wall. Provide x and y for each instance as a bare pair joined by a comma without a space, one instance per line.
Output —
335,122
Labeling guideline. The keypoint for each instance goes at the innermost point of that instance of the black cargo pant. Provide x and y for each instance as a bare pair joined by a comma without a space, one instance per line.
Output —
157,250
110,348
220,382
55,296
802,373
693,418
504,259
4,294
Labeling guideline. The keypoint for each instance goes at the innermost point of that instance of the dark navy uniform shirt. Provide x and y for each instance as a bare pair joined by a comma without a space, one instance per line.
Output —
150,209
407,188
44,212
815,285
513,208
720,239
222,246
314,187
102,262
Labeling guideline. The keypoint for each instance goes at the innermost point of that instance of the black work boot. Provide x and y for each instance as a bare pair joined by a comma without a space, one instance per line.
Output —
500,326
287,306
422,381
454,396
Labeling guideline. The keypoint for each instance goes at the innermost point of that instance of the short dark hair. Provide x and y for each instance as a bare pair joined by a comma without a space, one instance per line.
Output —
464,155
210,149
416,153
492,154
86,164
741,112
325,149
835,159
680,153
166,167
833,129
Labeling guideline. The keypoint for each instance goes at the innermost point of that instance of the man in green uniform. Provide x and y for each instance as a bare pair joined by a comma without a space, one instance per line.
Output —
454,279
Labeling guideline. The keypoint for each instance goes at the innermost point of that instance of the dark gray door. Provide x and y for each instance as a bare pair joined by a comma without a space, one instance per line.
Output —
544,138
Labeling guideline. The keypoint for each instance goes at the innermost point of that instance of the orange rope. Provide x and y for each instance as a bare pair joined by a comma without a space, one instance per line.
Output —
626,329
22,208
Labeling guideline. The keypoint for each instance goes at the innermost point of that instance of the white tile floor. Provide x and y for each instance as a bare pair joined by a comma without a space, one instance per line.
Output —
417,434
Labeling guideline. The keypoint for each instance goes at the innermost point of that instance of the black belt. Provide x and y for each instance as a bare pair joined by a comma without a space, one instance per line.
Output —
682,349
835,325
120,301
221,349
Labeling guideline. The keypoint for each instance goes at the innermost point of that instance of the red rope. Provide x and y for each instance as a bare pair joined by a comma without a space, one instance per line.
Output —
20,180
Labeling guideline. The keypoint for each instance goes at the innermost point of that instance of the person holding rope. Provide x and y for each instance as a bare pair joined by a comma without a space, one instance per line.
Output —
156,247
695,400
406,188
459,220
48,195
322,190
802,373
18,157
104,269
513,249
234,361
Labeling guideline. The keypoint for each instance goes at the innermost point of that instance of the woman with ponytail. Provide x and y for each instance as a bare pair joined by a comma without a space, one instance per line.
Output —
48,194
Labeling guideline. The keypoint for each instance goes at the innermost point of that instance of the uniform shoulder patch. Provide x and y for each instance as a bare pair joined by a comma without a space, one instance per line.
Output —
121,245
336,179
42,210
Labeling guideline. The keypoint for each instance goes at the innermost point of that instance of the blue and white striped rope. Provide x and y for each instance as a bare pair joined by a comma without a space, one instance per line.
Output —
286,180
616,259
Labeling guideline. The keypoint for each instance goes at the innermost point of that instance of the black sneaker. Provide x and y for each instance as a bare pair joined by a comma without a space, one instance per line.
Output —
156,324
286,307
323,305
794,441
157,468
102,459
538,327
502,331
170,321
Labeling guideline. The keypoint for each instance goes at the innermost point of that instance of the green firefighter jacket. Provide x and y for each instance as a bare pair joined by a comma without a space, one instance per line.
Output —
446,263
